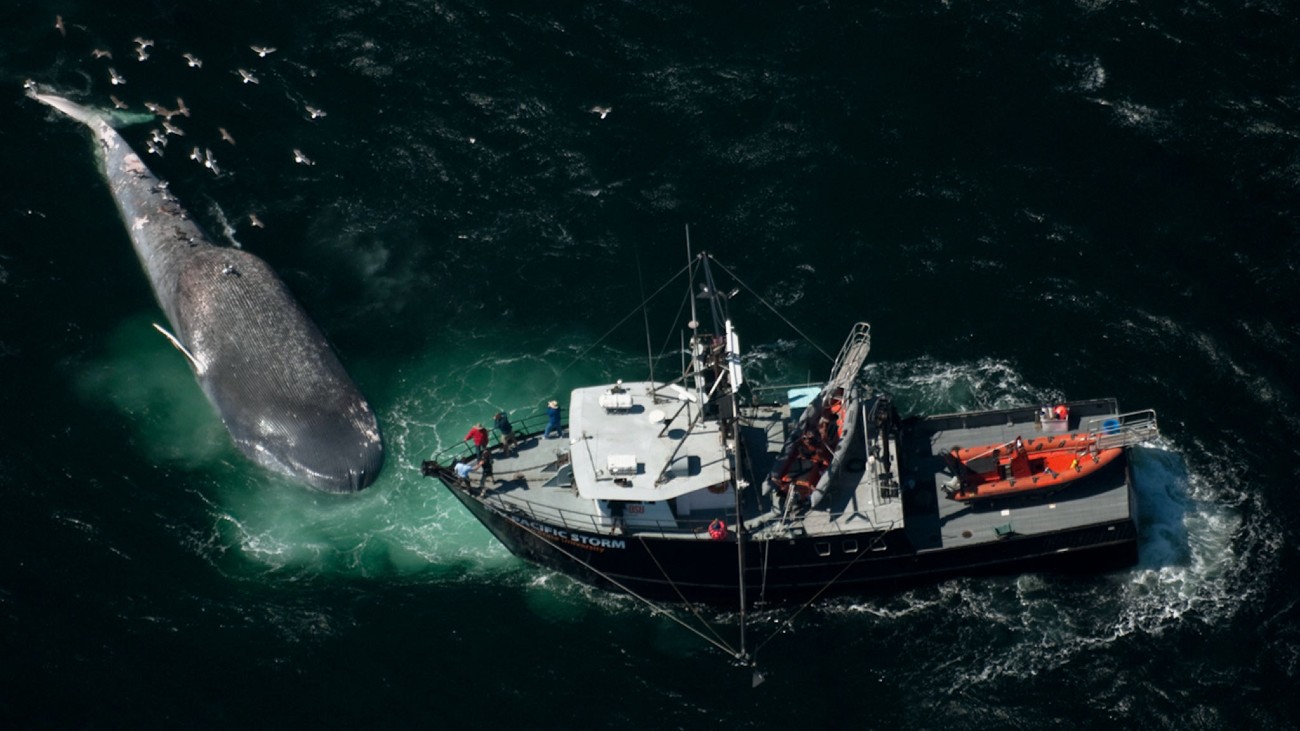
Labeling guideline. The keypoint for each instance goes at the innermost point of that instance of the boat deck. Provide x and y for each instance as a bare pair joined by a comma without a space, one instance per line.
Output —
934,521
538,482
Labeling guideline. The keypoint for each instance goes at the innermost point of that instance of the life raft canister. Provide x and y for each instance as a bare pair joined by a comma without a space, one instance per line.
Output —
717,529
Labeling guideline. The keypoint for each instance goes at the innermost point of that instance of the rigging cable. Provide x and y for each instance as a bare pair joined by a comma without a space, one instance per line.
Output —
619,324
770,307
790,621
676,319
655,607
687,602
645,314
767,544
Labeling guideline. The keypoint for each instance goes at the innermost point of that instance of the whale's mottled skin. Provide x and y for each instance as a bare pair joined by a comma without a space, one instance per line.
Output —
265,366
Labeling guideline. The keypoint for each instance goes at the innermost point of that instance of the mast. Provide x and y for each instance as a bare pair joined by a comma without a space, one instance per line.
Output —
697,351
735,486
731,368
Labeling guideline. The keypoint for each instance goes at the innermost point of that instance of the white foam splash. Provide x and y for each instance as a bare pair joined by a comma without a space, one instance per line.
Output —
1194,565
927,386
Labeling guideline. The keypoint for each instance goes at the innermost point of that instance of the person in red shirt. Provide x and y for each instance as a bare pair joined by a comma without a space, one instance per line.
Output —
479,436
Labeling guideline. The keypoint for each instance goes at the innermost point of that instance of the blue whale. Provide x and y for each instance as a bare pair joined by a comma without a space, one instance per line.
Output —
269,372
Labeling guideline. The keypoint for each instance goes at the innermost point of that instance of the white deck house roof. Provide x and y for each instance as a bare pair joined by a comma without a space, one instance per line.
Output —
622,442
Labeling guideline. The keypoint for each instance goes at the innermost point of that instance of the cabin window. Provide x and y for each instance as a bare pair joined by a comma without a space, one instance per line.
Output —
850,546
822,549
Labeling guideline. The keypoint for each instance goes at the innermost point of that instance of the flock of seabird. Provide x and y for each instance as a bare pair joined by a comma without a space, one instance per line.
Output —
159,137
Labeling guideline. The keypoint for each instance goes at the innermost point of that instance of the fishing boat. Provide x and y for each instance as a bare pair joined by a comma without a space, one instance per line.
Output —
705,487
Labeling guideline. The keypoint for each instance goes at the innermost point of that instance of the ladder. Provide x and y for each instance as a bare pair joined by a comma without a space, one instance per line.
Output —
852,357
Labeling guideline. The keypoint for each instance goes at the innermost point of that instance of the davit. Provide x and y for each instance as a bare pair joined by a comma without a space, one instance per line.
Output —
267,369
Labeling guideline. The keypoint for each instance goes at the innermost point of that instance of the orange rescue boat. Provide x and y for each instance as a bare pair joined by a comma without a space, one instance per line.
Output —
808,458
1023,467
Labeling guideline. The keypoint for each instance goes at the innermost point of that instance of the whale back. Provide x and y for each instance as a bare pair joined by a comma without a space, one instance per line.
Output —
257,346
267,369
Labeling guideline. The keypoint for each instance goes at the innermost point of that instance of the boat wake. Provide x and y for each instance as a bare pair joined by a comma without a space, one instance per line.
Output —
928,386
1205,554
1201,561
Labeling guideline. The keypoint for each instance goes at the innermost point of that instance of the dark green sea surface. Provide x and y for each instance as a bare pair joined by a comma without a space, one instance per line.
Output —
1028,201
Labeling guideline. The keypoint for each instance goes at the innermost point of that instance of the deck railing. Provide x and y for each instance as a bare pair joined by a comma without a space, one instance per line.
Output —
853,355
602,524
786,525
525,428
1123,430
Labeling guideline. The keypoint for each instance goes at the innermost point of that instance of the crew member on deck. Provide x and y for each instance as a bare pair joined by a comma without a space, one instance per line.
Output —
463,469
479,436
485,469
509,442
552,419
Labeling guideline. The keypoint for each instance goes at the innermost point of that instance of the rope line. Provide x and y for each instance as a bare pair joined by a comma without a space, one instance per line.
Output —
790,621
654,607
691,607
768,305
619,324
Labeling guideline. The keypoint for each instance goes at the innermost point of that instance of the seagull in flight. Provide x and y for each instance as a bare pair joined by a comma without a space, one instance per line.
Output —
257,222
58,23
142,46
602,111
181,109
117,103
226,135
210,162
194,61
262,51
102,53
115,77
313,112
196,156
300,158
248,77
173,129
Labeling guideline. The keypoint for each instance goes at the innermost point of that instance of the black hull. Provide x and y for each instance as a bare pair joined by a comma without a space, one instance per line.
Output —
797,569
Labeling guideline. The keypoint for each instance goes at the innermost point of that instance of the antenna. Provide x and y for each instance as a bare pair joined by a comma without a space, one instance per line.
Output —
690,274
645,314
694,324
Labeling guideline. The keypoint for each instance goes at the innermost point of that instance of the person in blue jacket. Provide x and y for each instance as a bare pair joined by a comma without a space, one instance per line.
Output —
509,442
552,419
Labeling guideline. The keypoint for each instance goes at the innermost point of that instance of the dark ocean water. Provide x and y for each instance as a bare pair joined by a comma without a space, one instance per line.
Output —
1028,201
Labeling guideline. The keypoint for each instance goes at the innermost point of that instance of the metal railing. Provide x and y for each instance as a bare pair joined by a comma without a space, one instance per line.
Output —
853,355
1103,432
783,526
522,430
602,524
1123,430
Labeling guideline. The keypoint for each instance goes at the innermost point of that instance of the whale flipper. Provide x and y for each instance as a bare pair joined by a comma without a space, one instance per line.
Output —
194,362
